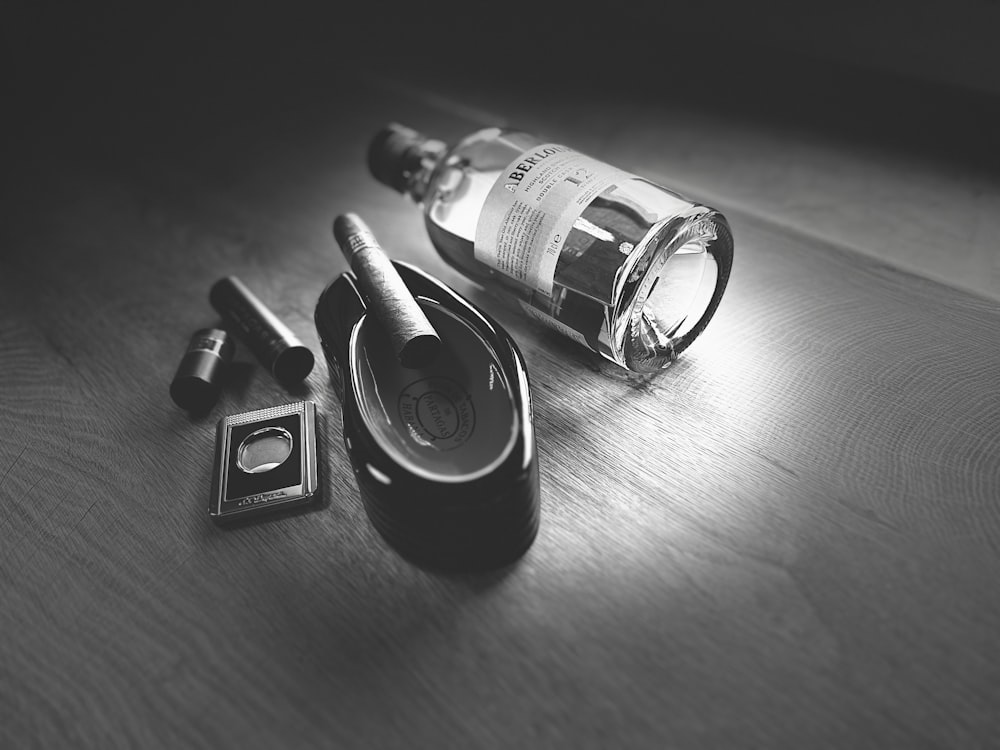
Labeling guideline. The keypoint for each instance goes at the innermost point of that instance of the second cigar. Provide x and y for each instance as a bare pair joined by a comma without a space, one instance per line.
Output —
414,339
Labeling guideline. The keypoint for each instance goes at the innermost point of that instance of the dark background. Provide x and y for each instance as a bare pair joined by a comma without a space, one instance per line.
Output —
916,75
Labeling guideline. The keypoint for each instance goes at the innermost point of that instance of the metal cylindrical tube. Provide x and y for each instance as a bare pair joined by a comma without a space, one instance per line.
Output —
198,380
270,340
414,339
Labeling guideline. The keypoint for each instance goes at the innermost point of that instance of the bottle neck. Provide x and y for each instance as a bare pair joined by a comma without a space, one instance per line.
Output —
417,172
404,159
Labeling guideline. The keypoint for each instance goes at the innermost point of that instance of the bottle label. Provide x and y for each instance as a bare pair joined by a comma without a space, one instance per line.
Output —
533,205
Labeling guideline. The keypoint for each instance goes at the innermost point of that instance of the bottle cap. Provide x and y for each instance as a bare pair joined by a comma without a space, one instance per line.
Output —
394,154
198,381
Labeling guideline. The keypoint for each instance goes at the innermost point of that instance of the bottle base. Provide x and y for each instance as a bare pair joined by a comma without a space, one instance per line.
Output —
670,290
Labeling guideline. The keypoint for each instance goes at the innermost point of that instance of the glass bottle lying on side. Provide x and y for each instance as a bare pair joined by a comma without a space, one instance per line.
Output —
619,264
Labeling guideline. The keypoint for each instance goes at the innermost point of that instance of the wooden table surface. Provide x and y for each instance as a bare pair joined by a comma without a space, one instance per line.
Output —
788,539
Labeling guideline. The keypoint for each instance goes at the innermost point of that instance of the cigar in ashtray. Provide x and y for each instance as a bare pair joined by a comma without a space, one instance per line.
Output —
414,339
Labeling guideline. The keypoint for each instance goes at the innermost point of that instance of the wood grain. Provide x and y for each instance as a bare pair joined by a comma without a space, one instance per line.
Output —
791,538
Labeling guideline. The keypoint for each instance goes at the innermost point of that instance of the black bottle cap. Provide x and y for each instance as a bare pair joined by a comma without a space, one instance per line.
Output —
394,154
271,341
198,380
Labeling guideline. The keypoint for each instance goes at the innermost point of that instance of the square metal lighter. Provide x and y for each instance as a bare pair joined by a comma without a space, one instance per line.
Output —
265,460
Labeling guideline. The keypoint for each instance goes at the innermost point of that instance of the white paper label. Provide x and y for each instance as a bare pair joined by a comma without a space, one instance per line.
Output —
533,205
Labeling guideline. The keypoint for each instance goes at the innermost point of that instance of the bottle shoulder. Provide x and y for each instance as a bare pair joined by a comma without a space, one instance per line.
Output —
488,145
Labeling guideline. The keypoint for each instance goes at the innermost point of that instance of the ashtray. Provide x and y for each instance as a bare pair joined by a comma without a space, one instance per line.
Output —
443,454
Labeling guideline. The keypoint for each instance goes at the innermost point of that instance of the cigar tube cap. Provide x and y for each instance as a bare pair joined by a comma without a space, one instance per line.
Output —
271,341
198,381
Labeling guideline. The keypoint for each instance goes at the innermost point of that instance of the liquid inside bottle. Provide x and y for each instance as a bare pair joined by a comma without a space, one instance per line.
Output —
637,273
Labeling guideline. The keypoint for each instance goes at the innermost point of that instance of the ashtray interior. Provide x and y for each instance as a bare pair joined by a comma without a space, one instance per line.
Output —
451,421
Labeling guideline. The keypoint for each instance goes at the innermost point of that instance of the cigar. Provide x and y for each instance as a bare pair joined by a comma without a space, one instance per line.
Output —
414,339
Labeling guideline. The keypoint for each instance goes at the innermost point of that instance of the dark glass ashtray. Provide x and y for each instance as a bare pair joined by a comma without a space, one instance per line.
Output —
444,455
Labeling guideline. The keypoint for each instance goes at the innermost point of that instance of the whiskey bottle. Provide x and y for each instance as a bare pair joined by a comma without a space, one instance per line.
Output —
610,259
